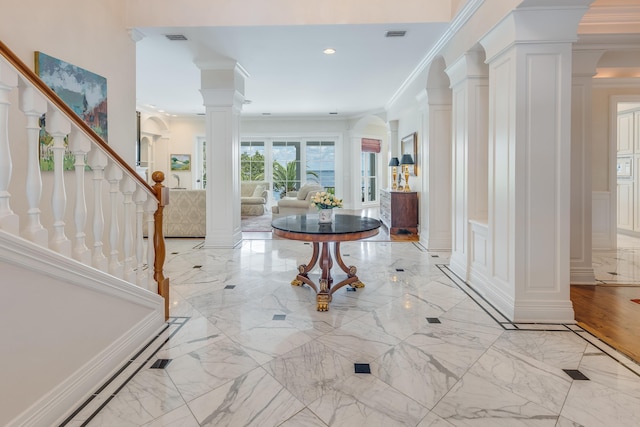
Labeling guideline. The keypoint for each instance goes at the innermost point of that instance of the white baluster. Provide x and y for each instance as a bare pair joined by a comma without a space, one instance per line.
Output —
33,105
80,146
98,161
8,81
150,209
58,127
140,197
128,186
114,175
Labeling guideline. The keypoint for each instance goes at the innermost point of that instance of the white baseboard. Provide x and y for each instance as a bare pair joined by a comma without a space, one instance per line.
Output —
59,403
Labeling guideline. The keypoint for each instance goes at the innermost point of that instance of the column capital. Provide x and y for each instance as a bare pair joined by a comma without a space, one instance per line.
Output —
469,65
584,62
532,23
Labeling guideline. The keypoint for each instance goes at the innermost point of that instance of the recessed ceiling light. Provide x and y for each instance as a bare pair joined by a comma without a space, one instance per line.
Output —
329,51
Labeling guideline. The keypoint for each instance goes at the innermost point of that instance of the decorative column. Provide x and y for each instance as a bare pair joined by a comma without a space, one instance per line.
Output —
58,127
529,57
8,81
583,68
469,78
223,94
80,146
33,105
435,156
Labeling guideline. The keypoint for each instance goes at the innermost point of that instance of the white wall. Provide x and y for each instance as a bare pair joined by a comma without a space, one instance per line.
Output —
67,30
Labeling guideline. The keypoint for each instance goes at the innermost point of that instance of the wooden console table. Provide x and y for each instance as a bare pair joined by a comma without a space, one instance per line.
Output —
344,228
399,211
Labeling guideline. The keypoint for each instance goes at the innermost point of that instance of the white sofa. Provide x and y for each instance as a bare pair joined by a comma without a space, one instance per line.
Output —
254,196
297,202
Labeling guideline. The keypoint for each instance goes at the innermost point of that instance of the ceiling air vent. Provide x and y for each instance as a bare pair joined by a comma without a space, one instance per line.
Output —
400,33
175,37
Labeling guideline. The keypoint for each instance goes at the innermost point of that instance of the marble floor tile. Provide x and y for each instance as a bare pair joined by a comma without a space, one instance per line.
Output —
232,364
272,339
179,417
206,368
310,370
304,418
149,395
590,403
522,375
253,399
475,401
363,400
359,342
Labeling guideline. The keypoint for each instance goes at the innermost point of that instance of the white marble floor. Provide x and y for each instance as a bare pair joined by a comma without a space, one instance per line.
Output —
621,265
438,356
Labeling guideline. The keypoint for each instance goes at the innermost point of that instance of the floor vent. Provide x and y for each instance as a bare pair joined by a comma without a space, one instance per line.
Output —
362,368
160,363
576,374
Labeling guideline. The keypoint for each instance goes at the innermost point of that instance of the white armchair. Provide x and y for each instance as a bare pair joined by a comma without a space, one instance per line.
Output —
297,202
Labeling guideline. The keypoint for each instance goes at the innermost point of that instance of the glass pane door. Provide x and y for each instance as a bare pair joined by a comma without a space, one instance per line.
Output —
369,178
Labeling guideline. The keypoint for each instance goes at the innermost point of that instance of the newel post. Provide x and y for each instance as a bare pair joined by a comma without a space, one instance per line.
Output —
162,194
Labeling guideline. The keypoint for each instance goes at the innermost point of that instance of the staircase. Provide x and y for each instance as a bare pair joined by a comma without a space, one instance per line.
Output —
82,288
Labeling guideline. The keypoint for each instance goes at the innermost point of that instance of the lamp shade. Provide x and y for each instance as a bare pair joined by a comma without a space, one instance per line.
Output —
394,162
406,159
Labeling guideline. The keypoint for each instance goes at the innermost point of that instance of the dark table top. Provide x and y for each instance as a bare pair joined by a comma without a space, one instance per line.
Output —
341,224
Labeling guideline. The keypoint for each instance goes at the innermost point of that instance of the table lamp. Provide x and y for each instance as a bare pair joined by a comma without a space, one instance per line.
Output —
405,162
394,163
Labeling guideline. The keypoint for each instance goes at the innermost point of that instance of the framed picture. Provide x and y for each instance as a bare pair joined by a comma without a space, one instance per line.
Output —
409,145
85,92
180,162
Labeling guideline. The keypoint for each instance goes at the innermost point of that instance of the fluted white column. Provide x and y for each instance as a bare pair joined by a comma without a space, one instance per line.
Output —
150,208
33,105
139,198
114,175
8,81
127,187
80,146
98,161
58,126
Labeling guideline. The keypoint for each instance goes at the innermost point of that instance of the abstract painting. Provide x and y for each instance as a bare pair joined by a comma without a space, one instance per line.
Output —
85,92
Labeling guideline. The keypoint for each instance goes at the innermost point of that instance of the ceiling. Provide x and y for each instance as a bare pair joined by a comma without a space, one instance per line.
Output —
289,75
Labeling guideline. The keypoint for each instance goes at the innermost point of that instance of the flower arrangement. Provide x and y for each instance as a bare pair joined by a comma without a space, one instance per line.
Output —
324,200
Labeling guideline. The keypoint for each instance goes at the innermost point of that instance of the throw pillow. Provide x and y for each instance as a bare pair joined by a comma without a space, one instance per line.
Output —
303,191
257,192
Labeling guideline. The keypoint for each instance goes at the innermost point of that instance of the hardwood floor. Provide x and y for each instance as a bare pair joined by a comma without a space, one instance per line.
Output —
609,314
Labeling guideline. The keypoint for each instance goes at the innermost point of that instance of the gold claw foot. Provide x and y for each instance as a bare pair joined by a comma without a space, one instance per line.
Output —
296,282
357,284
323,302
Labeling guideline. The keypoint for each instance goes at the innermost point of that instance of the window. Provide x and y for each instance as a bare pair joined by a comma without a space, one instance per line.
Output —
321,156
370,149
252,161
286,167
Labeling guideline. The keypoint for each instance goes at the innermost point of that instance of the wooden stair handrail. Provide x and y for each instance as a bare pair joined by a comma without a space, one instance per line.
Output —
26,72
